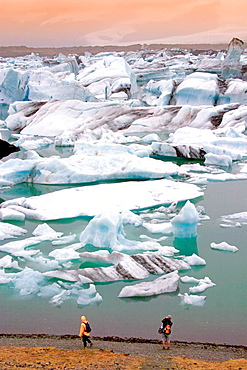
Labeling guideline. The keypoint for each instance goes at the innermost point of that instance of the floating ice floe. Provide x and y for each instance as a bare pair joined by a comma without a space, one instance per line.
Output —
45,232
28,281
10,215
65,254
215,147
235,219
97,199
8,231
97,163
224,246
7,262
18,248
190,299
165,284
202,286
162,227
194,260
93,163
64,240
125,267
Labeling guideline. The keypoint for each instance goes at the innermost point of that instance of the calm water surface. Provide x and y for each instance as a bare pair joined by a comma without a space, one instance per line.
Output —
222,319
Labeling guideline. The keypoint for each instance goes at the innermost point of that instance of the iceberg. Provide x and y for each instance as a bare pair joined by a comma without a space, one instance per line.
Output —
126,267
224,246
185,223
232,66
165,284
67,203
198,88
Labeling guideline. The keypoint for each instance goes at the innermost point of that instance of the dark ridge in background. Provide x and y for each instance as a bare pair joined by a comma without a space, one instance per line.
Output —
16,51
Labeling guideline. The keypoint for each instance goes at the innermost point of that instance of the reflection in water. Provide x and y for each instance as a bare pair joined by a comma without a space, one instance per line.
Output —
186,246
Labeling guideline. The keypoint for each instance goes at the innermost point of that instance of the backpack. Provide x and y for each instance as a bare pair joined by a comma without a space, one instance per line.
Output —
88,327
167,330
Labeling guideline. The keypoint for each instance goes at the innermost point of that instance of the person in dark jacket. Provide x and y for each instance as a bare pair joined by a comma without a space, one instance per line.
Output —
166,326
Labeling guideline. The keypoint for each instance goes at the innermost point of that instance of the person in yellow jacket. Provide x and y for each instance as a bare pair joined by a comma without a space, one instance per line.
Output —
84,334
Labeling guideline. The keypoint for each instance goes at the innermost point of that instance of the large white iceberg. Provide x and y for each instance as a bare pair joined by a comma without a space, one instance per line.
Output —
93,200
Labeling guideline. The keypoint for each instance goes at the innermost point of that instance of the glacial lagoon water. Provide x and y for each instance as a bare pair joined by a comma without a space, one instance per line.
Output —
222,319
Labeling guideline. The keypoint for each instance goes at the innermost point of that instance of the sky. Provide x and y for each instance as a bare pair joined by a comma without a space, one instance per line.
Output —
57,23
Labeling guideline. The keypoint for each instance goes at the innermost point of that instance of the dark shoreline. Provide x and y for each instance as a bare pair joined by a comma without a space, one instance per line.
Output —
17,51
115,339
209,352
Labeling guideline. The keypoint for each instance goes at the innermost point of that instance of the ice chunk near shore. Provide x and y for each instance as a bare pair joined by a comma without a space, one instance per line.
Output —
194,260
185,223
165,284
10,231
224,246
195,300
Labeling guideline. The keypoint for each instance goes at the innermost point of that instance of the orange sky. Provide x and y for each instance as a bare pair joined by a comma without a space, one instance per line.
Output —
102,22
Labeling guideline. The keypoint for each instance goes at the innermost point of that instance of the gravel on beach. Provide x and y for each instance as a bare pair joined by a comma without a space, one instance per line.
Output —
208,352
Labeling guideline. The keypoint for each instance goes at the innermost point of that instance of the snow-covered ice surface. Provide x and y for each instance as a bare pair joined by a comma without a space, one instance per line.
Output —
67,203
101,138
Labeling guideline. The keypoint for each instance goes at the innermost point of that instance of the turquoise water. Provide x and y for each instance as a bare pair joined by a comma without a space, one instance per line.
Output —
222,319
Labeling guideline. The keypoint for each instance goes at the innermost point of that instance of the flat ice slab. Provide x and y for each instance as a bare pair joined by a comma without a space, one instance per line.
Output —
93,200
